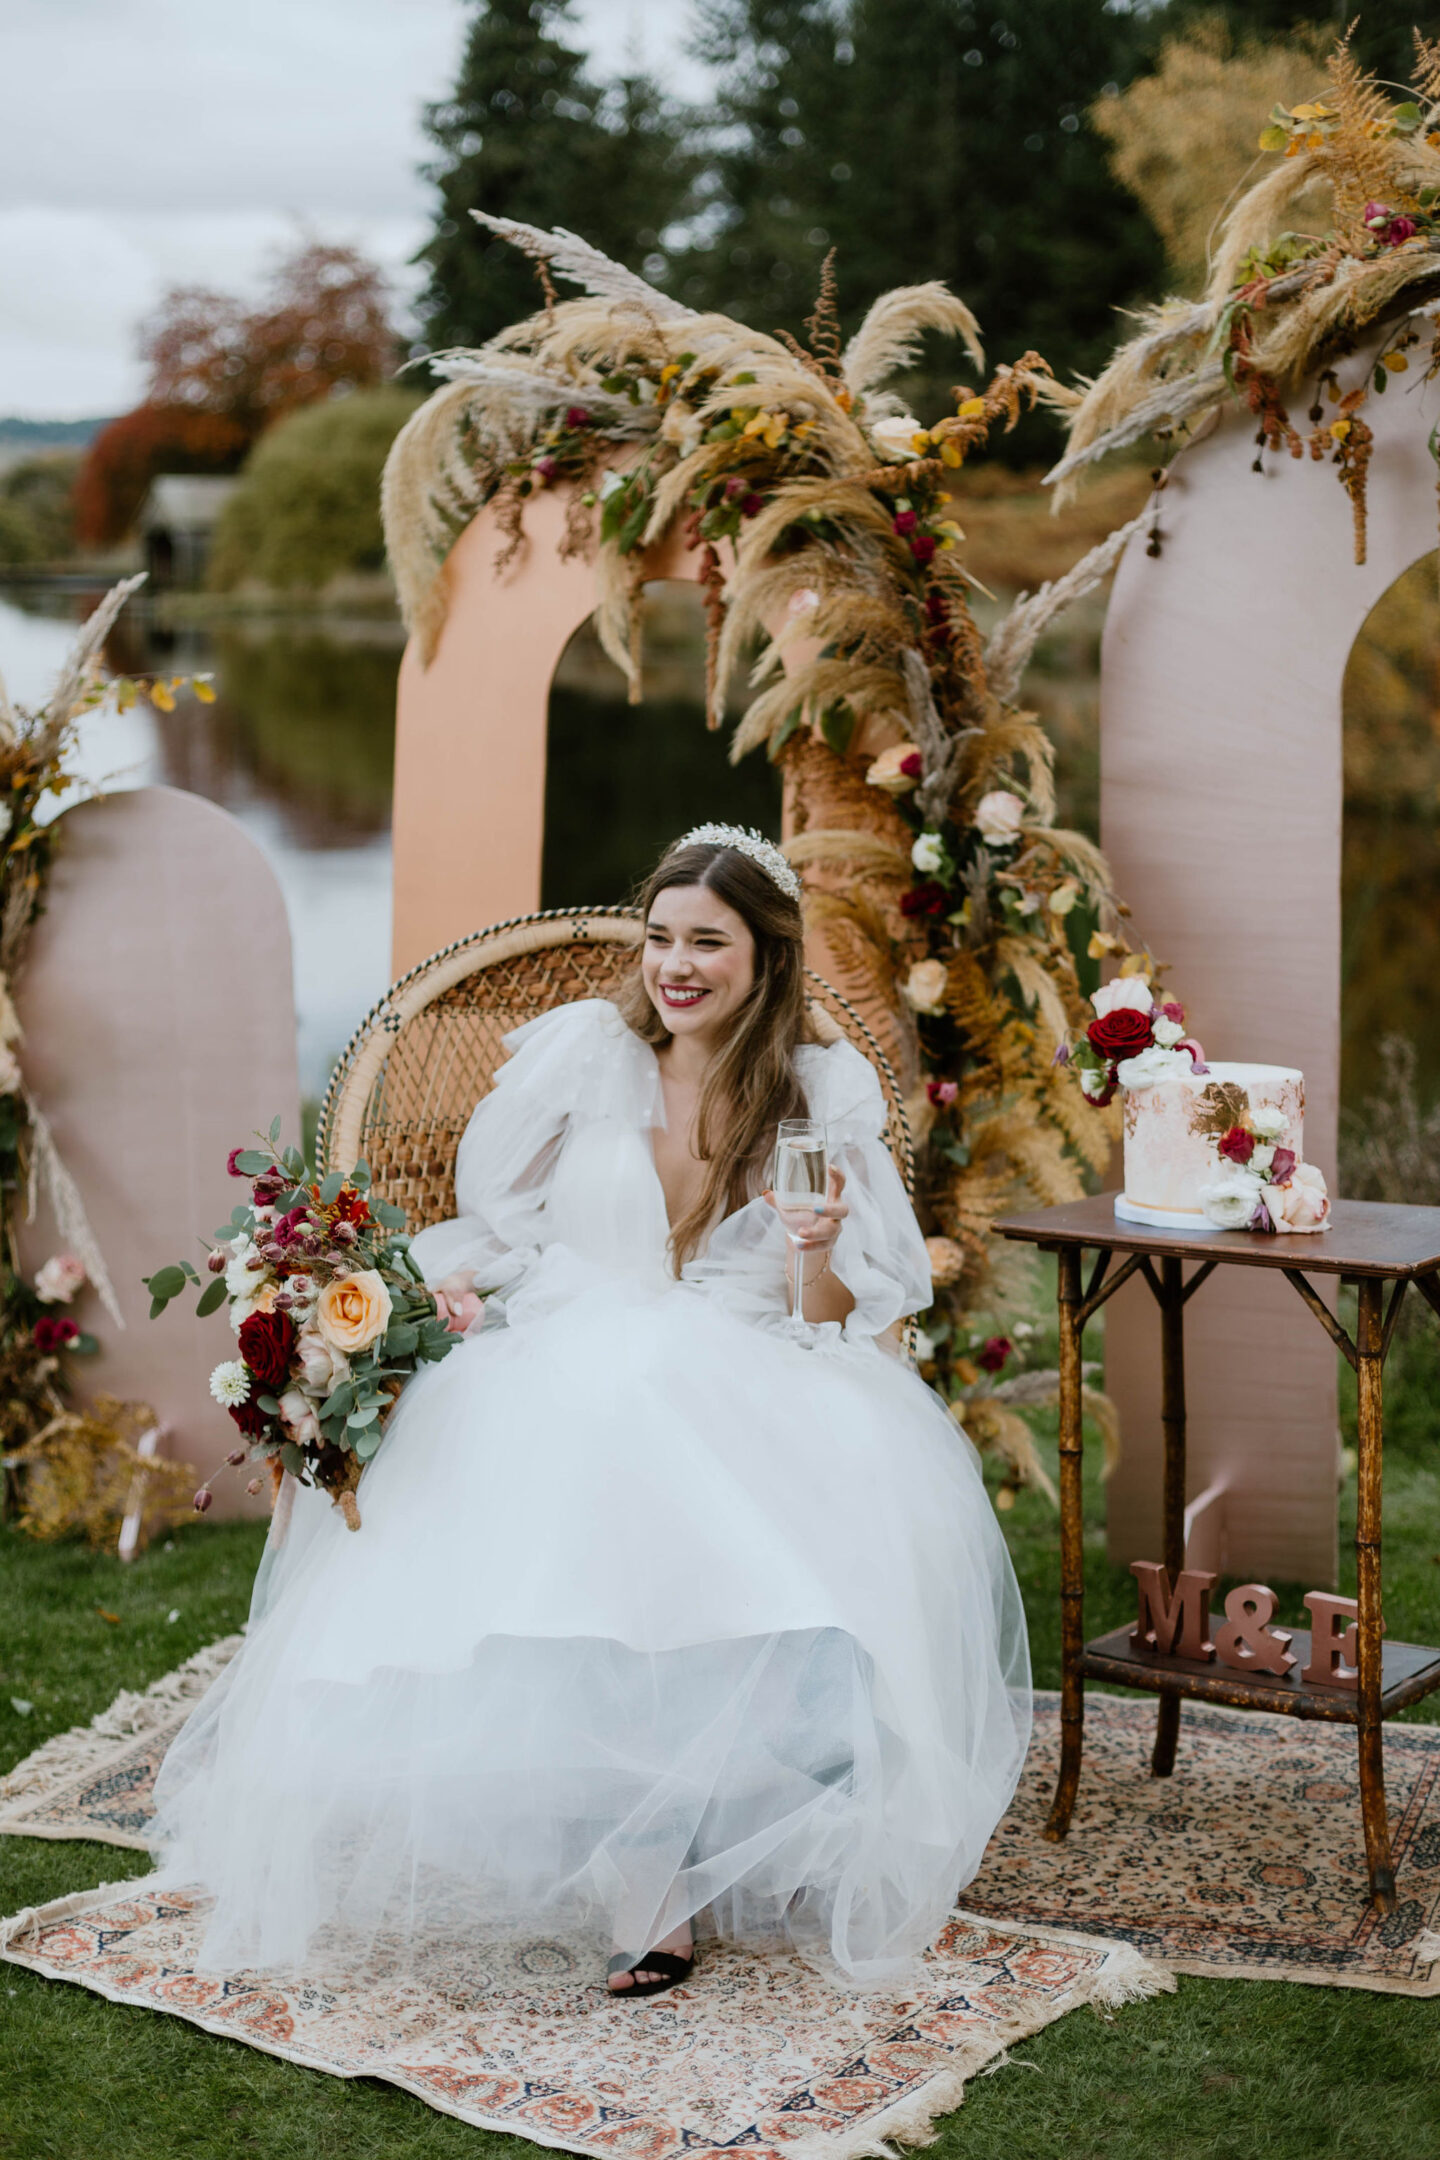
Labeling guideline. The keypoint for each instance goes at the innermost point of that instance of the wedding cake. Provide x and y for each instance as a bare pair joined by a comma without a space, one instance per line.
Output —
1207,1147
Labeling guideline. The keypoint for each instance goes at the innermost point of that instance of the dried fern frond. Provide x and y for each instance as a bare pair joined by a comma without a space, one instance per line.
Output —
574,258
863,850
888,340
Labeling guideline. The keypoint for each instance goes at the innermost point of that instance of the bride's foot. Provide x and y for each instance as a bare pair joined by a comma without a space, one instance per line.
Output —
656,1969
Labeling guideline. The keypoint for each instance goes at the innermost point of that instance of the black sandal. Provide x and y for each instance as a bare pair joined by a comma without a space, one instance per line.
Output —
672,1969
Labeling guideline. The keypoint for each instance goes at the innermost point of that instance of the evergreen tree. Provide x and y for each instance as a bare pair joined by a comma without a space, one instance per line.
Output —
938,139
1384,36
526,134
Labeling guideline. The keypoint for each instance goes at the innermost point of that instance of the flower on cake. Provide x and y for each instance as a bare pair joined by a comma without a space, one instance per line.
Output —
1132,1042
1301,1203
1268,1121
1152,1066
1230,1201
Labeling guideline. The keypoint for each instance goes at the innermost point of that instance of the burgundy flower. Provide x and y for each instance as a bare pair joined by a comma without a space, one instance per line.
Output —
251,1420
577,417
350,1206
1172,1011
291,1229
51,1334
752,506
935,608
266,1341
203,1499
735,487
546,467
232,1162
922,547
1123,1033
1238,1145
270,1184
905,522
912,766
993,1353
1283,1165
927,898
942,1092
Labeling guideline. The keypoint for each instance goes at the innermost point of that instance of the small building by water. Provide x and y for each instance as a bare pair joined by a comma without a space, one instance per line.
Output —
177,521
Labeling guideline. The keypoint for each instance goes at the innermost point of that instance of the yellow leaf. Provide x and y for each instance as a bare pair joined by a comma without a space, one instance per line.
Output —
1064,897
1274,138
1395,361
920,440
204,690
125,693
1339,429
1315,141
950,455
1102,944
1136,963
668,374
160,696
774,434
972,408
761,423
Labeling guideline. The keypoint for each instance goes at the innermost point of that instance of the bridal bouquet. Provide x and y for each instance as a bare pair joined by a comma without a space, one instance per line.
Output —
330,1314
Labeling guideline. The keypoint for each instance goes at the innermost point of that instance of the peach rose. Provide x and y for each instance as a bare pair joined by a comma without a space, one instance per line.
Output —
1303,1204
925,986
889,769
998,817
352,1312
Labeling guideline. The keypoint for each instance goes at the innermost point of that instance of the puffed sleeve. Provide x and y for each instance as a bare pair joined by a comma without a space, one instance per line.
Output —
566,1064
880,1254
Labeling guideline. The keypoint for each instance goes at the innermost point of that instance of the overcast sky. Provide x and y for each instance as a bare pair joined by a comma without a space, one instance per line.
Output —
156,142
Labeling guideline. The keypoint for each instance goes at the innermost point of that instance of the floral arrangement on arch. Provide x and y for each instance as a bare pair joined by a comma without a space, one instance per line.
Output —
919,792
65,1469
1284,306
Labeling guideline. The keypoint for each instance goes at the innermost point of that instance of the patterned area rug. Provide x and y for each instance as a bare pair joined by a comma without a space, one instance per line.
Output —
1248,1862
96,1780
521,2036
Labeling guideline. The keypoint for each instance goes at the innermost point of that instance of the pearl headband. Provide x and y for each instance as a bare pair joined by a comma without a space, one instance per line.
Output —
746,841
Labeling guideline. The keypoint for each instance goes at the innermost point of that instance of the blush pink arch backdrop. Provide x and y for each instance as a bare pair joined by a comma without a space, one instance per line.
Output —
470,729
1221,804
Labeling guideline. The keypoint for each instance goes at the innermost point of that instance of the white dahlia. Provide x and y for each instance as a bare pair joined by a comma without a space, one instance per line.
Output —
230,1384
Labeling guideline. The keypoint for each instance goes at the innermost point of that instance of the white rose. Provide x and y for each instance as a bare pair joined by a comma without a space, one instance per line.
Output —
925,986
1261,1159
321,1367
1152,1066
1268,1122
1301,1205
895,438
1091,1082
1167,1033
1231,1200
59,1279
297,1415
928,853
998,817
1128,993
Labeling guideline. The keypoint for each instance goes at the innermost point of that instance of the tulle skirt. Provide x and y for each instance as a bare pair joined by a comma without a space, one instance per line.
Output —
654,1615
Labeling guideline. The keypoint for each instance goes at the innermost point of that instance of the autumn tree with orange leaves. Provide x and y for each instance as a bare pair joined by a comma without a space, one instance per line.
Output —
220,373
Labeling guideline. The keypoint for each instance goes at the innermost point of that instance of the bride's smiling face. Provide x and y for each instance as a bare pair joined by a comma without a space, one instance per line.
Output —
699,960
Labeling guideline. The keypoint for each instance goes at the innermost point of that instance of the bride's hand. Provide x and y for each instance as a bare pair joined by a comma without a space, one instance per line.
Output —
817,1230
457,1303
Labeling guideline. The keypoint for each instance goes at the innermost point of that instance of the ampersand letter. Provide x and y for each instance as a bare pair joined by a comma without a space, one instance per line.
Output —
1177,1626
1243,1640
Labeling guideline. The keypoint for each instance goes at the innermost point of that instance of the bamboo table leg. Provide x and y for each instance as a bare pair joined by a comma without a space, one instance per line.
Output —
1072,1545
1369,1345
1172,1420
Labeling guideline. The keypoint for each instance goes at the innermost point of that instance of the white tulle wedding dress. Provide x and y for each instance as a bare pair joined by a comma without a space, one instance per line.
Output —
656,1611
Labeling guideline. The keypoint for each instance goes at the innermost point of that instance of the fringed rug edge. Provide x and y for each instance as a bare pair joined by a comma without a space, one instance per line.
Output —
89,1747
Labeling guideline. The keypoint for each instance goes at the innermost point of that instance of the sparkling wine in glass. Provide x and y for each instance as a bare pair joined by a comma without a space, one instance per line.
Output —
800,1183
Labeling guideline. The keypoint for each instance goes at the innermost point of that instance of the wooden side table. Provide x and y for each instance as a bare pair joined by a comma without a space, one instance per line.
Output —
1367,1245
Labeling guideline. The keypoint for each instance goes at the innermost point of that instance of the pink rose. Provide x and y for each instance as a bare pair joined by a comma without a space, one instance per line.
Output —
320,1367
1302,1205
59,1279
297,1415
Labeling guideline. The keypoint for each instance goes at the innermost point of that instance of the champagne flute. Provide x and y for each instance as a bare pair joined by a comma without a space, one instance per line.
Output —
801,1182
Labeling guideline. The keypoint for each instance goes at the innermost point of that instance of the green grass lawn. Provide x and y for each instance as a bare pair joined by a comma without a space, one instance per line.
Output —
1242,2070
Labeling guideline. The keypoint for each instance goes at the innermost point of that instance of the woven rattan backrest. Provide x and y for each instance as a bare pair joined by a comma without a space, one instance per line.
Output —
403,1090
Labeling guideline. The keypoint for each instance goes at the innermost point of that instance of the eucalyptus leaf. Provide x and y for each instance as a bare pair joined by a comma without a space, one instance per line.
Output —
340,1398
292,1457
268,1404
332,1187
400,1341
387,1213
250,1162
359,1420
211,1297
166,1283
366,1444
274,1130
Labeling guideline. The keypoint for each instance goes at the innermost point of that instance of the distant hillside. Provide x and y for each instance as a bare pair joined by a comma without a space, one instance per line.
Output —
27,435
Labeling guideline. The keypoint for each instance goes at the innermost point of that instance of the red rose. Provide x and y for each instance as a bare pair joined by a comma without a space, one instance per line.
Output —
51,1334
1238,1145
1123,1033
922,547
927,898
266,1341
577,417
912,766
905,522
993,1353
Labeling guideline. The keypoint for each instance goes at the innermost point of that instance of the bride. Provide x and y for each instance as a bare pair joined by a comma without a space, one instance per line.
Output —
664,1606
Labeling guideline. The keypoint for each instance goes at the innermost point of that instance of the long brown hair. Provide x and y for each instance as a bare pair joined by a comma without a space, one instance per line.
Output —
750,1083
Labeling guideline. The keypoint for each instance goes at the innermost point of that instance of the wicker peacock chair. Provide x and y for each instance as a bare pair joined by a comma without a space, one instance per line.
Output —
415,1068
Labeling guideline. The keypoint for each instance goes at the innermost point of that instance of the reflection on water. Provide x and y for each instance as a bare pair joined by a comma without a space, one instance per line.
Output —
624,780
298,746
1391,860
